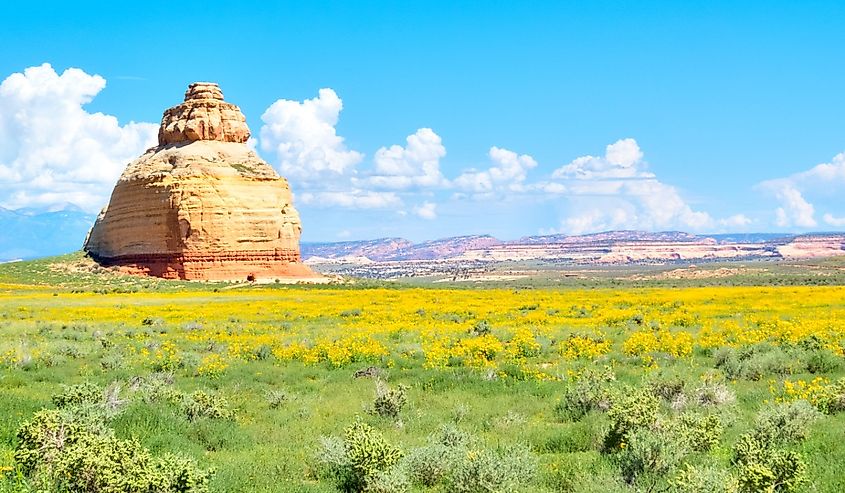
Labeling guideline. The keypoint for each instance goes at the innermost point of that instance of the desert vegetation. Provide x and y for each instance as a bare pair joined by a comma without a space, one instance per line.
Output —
192,388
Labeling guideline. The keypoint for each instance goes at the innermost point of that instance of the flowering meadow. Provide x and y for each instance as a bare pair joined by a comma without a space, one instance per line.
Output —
421,389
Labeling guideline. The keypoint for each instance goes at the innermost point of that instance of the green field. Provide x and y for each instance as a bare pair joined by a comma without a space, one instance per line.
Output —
111,383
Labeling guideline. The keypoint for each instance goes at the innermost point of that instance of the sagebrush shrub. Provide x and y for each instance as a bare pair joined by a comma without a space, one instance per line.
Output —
667,388
788,422
652,452
590,391
277,398
429,465
823,361
57,449
712,392
756,361
492,471
451,436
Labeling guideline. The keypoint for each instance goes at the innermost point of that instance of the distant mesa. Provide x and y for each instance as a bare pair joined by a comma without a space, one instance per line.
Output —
201,205
609,247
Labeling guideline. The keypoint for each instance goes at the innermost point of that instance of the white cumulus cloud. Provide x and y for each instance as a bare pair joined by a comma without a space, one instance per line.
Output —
616,191
303,139
736,221
54,152
622,159
834,221
794,210
792,192
351,199
417,165
427,210
508,173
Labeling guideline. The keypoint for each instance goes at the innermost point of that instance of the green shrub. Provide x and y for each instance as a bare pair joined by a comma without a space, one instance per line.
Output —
761,467
492,471
834,398
55,448
785,423
480,328
263,352
394,480
429,465
389,402
701,432
588,392
650,453
201,404
631,410
361,458
82,394
704,480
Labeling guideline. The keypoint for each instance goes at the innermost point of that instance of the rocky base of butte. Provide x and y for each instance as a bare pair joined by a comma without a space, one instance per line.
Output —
201,205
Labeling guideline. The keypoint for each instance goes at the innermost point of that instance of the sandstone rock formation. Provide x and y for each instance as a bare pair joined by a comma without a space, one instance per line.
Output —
814,246
201,204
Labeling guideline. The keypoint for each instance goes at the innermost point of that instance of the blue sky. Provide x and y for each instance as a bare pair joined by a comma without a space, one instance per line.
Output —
716,113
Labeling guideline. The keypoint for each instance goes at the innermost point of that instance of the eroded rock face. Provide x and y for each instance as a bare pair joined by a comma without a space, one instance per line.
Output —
201,204
203,116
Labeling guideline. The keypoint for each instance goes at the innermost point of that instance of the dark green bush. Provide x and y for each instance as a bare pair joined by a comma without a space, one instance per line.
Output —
55,448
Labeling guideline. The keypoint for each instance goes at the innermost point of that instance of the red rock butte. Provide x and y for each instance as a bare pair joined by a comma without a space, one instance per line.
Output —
201,205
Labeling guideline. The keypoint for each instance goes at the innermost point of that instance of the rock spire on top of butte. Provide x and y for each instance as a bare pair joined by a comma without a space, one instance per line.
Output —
203,116
201,204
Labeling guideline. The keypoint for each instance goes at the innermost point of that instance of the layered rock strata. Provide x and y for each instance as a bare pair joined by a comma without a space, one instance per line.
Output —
201,205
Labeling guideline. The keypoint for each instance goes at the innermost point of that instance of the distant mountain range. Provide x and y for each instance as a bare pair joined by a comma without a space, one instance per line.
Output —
26,233
608,247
